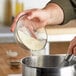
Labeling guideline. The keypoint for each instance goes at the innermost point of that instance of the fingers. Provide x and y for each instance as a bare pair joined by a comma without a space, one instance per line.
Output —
72,46
74,50
14,22
32,33
17,17
30,27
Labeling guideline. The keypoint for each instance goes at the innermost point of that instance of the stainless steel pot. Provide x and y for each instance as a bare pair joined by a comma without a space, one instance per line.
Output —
47,65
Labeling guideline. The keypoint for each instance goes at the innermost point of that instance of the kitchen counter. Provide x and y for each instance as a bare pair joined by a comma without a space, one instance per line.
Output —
5,68
55,33
62,33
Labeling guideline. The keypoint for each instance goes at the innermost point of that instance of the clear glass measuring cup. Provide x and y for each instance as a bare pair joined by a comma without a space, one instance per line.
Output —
35,41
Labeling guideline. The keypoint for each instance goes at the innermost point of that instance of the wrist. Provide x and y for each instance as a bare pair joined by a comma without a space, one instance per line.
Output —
56,15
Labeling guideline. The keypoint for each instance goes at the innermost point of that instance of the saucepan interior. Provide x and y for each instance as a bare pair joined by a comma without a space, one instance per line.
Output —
45,65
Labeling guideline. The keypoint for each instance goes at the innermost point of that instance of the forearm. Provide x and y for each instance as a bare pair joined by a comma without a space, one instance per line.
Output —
68,7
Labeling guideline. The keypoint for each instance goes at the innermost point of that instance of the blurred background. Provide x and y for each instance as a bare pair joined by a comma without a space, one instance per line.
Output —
59,37
9,8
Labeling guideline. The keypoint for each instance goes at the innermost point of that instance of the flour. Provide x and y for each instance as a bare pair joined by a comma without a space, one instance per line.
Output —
30,42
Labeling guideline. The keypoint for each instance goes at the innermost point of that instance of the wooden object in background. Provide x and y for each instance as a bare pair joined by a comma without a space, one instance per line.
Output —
59,47
5,68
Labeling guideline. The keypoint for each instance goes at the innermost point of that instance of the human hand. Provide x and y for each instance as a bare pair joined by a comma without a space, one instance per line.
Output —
37,18
52,14
72,47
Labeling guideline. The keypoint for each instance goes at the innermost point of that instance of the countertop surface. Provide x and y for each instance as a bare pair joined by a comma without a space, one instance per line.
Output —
69,28
62,33
5,68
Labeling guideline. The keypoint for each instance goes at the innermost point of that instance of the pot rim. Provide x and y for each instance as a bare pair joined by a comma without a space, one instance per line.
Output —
39,67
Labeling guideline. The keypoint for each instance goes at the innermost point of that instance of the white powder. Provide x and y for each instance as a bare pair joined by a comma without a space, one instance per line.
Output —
30,42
